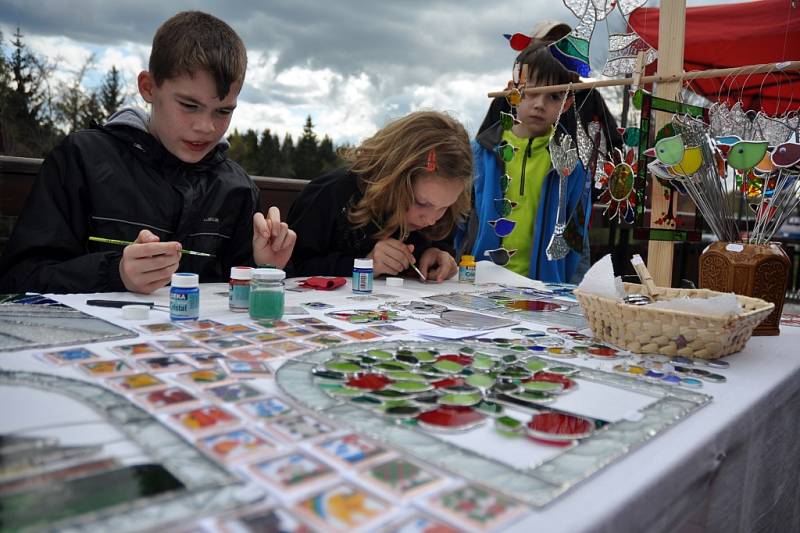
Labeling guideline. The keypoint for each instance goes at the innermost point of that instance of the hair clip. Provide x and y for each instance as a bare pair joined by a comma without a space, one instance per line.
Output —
430,166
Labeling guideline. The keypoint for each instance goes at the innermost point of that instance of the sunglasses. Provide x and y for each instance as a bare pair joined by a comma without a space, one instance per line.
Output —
502,226
507,120
504,206
506,151
500,256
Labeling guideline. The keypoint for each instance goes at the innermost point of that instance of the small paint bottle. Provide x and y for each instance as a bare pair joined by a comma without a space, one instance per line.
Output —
362,275
184,296
466,269
266,293
239,289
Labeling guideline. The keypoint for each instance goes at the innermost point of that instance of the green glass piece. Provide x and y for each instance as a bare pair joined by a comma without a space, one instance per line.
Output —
508,425
480,381
506,120
510,359
490,408
366,400
563,370
466,350
483,363
669,150
392,365
533,396
744,155
407,359
505,387
385,394
535,366
425,357
401,411
631,137
343,366
383,355
402,375
447,366
515,372
461,399
542,386
409,386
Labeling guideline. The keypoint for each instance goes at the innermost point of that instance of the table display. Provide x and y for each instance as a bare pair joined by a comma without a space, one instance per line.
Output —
318,421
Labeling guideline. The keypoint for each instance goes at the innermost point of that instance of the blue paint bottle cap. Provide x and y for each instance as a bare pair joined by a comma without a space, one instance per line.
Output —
185,280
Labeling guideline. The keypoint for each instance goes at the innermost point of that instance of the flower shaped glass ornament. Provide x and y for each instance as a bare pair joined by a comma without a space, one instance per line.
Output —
616,179
564,156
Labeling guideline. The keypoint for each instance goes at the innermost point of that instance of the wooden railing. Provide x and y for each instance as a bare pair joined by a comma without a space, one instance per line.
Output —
17,175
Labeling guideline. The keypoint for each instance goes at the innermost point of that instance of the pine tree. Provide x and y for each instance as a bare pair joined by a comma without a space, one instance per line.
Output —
327,156
28,128
287,154
269,151
305,161
112,94
91,112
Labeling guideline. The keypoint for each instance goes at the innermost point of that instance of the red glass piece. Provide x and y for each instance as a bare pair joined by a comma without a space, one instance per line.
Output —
369,381
463,360
451,417
533,305
603,352
448,382
553,378
560,425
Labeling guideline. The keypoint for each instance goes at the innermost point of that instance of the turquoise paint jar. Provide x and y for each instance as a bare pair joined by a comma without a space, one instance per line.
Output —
239,289
266,293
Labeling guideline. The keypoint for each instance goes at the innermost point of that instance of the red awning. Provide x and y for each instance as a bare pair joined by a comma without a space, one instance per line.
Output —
733,35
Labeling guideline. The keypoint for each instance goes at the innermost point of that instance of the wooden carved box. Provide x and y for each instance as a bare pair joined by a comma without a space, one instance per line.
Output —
757,270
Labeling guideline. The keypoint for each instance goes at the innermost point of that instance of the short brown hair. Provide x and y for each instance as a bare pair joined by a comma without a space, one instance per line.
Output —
388,163
543,67
192,41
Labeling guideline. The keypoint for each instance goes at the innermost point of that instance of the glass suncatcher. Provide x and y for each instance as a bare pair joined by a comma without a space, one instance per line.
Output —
507,398
173,479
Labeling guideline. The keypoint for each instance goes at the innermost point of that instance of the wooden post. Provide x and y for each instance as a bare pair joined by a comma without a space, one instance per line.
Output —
671,34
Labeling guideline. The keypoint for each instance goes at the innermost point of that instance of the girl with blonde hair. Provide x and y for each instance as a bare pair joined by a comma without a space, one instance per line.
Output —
397,202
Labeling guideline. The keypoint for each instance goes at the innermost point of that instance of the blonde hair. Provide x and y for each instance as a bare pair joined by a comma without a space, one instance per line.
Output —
388,163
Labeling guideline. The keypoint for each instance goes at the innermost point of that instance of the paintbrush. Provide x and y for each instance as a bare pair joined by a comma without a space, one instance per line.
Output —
126,243
421,275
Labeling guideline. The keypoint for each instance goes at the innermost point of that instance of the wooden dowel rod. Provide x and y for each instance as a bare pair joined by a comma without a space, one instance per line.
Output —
693,75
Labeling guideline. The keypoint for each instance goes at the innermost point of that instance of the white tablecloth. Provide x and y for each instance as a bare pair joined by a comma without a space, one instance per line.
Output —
732,466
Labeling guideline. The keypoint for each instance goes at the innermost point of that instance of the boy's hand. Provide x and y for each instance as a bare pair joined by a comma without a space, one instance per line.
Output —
148,264
273,241
437,265
391,256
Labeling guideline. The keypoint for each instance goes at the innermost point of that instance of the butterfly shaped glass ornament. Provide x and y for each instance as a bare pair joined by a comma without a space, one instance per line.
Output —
564,156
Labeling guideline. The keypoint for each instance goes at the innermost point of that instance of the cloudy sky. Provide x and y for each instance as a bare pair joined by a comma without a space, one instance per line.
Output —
350,64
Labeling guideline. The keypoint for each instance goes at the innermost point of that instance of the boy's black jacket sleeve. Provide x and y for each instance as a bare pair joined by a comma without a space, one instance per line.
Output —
47,251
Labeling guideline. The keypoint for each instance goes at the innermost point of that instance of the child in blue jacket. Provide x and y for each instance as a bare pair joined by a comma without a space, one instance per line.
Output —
516,188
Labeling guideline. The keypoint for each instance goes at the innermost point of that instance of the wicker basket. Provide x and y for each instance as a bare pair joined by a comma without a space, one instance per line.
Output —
644,329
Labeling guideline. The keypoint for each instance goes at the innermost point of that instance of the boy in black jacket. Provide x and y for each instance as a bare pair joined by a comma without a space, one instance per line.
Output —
161,181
